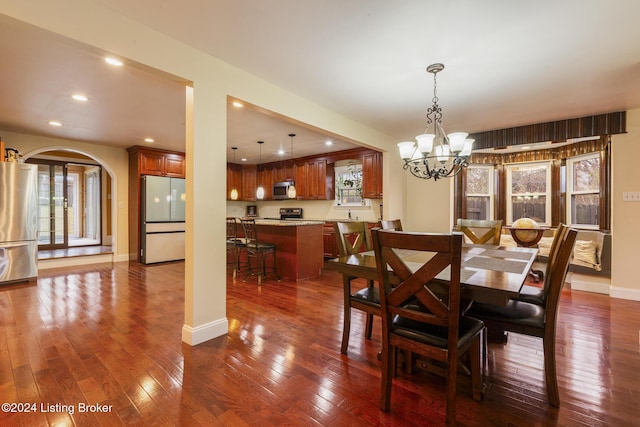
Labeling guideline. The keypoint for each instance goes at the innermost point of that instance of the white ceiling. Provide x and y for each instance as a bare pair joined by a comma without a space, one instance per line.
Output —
507,64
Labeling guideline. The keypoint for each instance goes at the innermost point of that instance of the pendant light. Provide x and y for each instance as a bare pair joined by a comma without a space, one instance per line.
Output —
234,190
291,191
260,189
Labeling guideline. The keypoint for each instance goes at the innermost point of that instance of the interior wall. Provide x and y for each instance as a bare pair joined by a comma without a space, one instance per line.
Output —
428,203
213,81
625,225
114,160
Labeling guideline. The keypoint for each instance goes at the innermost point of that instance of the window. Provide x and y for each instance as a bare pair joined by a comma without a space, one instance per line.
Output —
529,192
583,190
349,184
479,195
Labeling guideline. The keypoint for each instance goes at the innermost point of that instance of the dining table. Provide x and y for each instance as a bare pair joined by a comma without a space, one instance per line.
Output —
489,274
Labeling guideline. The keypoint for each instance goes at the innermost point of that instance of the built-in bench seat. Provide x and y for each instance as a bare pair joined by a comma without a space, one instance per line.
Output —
590,265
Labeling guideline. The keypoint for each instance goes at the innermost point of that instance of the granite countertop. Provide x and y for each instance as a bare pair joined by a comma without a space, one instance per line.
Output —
345,220
287,223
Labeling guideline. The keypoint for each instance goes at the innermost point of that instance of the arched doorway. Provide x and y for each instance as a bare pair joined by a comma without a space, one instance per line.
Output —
74,200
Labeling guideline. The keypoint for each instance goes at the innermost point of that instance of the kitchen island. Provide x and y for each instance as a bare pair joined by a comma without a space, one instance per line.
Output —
299,246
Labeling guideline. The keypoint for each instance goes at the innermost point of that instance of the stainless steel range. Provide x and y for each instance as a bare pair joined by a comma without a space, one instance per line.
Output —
290,213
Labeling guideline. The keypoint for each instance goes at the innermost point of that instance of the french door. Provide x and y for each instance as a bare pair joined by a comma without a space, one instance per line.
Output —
68,205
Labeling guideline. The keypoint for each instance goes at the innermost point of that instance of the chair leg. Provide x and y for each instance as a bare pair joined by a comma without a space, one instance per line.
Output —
388,370
369,326
346,327
475,360
452,371
549,345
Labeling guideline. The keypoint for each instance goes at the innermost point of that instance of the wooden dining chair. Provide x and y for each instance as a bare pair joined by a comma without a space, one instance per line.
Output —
481,232
419,321
537,294
392,224
533,319
353,238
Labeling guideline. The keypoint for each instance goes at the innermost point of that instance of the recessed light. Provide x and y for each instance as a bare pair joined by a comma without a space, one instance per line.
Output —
237,104
526,147
328,142
55,123
79,97
244,159
281,152
149,140
113,61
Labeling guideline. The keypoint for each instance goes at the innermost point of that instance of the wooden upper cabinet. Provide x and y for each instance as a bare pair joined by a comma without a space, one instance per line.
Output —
159,162
265,178
234,180
249,182
311,180
301,181
288,173
372,175
175,166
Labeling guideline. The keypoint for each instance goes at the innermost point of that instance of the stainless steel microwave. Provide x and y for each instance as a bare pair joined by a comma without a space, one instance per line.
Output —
280,190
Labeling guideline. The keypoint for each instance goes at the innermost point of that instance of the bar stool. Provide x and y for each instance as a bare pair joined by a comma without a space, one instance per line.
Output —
258,250
235,245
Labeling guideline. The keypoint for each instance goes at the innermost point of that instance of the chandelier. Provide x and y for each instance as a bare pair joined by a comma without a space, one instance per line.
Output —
436,154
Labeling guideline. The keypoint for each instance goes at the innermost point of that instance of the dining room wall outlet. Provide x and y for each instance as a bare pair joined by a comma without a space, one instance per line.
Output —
631,196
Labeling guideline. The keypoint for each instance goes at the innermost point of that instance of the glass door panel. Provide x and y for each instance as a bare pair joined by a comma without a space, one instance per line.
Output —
51,206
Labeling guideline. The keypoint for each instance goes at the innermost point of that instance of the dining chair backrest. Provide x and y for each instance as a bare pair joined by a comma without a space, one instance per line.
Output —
480,231
557,271
435,309
552,258
353,237
418,320
392,224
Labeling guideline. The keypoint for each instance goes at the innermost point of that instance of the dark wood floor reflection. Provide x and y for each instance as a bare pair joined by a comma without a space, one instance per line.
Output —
111,334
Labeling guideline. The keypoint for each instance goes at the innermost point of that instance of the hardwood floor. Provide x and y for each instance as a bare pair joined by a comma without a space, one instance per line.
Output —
111,334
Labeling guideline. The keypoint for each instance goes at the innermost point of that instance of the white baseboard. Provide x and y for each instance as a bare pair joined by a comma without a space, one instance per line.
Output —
44,264
625,293
582,282
208,331
121,258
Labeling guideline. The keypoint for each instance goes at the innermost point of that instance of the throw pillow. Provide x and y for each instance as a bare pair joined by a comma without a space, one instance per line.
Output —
584,252
544,246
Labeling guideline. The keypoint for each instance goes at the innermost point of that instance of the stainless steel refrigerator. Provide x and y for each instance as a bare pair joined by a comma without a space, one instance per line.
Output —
18,222
162,231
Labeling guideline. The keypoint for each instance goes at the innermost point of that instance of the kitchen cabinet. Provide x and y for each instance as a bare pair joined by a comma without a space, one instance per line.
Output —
299,248
283,173
265,178
160,163
147,161
372,175
312,180
234,180
330,244
249,182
